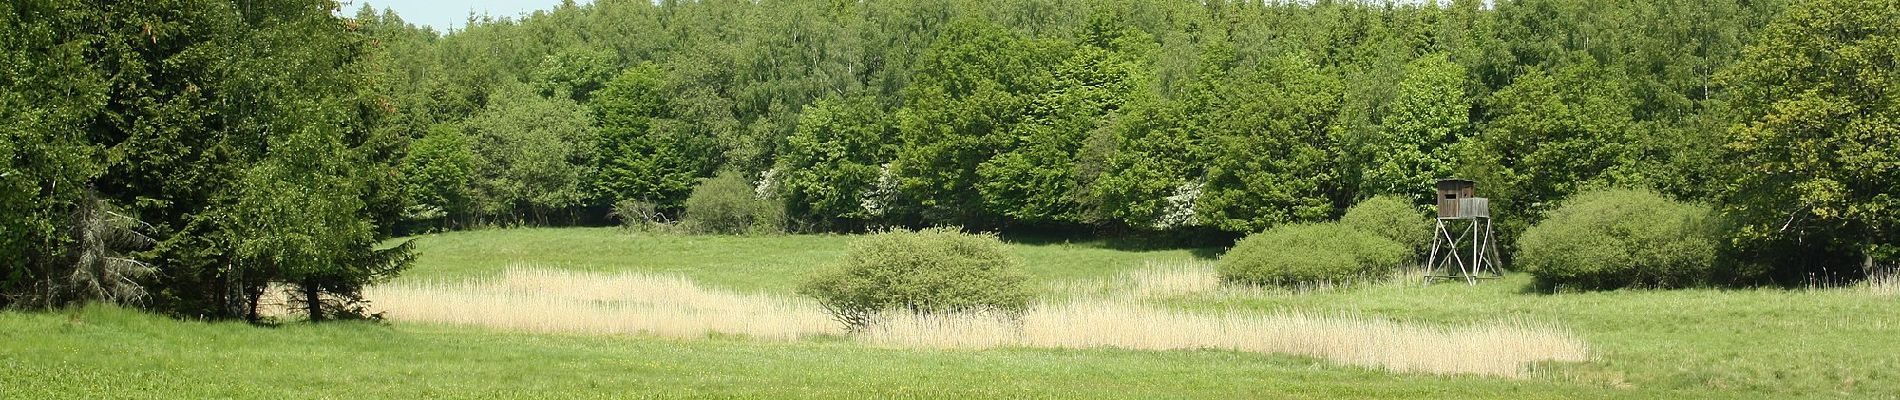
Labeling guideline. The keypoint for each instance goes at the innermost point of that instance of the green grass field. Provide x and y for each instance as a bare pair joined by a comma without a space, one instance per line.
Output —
1762,343
772,263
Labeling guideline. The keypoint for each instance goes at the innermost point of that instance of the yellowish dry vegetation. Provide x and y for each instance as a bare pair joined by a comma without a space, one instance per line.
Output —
1883,284
553,301
540,300
1507,349
1164,280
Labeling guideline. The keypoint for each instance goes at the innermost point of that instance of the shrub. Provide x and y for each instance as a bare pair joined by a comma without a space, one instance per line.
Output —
1393,218
931,271
1617,238
1312,253
727,204
638,215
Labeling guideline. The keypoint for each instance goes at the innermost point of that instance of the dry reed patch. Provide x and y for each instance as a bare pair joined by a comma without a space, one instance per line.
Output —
1883,284
666,305
1505,350
630,303
1153,281
1183,278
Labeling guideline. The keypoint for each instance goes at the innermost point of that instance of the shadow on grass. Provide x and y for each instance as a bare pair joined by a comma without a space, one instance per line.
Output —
1202,247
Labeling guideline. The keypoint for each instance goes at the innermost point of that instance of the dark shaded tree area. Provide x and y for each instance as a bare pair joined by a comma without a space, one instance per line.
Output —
262,144
198,153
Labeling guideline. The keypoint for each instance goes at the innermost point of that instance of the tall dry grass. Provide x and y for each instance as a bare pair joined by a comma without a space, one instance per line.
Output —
666,305
1182,278
1885,283
1154,281
1507,350
556,301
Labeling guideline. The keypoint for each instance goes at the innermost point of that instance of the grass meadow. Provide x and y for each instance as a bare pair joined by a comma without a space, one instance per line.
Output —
601,313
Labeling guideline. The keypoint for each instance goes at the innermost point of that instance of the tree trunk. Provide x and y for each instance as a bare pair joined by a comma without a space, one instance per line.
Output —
252,296
1867,250
312,301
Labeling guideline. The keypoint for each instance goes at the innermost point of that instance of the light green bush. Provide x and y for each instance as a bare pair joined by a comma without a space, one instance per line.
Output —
1393,218
1616,238
1312,253
929,271
727,204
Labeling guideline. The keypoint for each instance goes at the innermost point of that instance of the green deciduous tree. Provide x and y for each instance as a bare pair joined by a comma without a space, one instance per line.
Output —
533,155
1271,140
1551,135
832,162
437,174
574,73
970,89
728,204
1151,179
1414,145
1049,161
1616,238
1815,161
298,214
644,154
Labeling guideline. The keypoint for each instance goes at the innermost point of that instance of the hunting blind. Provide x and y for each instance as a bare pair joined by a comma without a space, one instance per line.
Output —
1472,253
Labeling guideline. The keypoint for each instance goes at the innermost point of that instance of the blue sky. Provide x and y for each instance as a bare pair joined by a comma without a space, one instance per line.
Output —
446,14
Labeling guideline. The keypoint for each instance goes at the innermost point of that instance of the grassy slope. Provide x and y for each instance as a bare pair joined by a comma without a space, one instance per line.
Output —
1657,344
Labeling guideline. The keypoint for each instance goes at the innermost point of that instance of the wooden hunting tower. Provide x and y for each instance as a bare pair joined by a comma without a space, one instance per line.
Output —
1458,198
1474,248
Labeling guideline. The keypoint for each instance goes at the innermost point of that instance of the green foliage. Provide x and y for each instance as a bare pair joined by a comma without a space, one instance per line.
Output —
1114,115
1272,156
640,157
300,204
574,73
48,94
301,212
1103,115
1430,114
1310,254
1551,135
727,204
1814,159
531,155
830,165
1393,218
1147,179
938,270
971,87
203,119
1050,159
437,173
1615,238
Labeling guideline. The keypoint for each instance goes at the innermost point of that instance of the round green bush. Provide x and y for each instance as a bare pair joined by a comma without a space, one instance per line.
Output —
934,270
1617,238
1313,253
727,204
1393,218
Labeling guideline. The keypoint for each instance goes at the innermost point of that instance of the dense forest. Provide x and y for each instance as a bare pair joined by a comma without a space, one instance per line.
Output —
192,154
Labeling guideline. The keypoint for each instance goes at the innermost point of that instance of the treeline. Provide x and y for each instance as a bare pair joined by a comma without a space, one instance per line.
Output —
1178,118
256,138
1117,115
